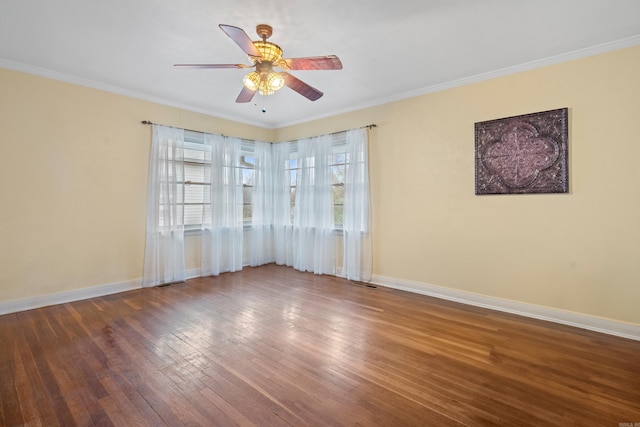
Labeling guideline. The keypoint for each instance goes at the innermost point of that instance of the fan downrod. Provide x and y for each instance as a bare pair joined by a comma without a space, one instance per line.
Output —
264,31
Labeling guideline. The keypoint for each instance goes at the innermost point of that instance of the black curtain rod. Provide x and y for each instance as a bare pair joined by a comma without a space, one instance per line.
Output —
147,122
361,127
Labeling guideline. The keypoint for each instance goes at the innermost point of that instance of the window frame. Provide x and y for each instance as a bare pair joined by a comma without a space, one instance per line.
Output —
194,141
339,146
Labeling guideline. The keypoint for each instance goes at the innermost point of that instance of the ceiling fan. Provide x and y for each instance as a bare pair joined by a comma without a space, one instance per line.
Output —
264,56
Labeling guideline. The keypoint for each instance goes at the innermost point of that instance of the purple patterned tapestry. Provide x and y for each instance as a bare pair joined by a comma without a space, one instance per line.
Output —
522,154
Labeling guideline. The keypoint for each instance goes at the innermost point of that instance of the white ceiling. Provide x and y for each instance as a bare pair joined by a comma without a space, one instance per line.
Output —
390,49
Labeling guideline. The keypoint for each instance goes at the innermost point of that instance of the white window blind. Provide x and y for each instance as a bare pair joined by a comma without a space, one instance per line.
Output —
195,194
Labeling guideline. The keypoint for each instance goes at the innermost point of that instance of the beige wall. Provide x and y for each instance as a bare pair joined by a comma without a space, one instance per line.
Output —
578,252
68,222
73,181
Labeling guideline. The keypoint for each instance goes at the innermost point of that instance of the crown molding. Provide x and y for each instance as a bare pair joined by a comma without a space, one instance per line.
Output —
68,78
539,63
556,59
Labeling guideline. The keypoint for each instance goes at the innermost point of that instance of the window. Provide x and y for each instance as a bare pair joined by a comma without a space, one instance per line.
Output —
201,181
197,180
337,164
195,194
247,168
291,171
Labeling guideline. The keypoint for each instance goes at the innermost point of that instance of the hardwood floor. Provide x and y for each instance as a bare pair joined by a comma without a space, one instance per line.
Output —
272,346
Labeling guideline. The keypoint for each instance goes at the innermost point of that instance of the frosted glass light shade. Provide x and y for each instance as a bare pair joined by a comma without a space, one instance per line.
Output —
275,81
252,81
266,84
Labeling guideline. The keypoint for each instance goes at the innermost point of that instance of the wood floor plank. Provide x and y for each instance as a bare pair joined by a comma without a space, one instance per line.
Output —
274,346
33,380
10,410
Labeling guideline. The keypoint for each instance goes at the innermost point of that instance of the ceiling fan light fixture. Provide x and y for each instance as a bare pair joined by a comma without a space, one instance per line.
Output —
252,81
264,89
271,83
265,83
275,81
271,52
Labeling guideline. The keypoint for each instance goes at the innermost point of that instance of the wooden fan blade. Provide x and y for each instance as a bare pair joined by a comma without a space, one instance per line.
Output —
330,62
301,87
210,65
241,39
246,95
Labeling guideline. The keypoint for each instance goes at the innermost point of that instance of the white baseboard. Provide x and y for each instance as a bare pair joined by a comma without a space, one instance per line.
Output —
592,323
193,273
597,324
22,304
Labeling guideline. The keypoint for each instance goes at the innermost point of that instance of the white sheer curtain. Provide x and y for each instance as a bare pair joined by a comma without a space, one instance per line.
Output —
356,237
305,240
164,253
282,226
261,246
222,228
313,227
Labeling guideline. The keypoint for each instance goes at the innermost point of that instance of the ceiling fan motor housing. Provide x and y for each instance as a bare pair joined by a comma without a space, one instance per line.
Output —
264,68
264,31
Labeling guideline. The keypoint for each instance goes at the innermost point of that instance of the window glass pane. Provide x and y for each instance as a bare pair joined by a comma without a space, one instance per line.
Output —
246,212
291,171
194,172
247,193
193,214
293,202
248,176
194,193
337,174
338,194
247,161
195,156
337,215
338,159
